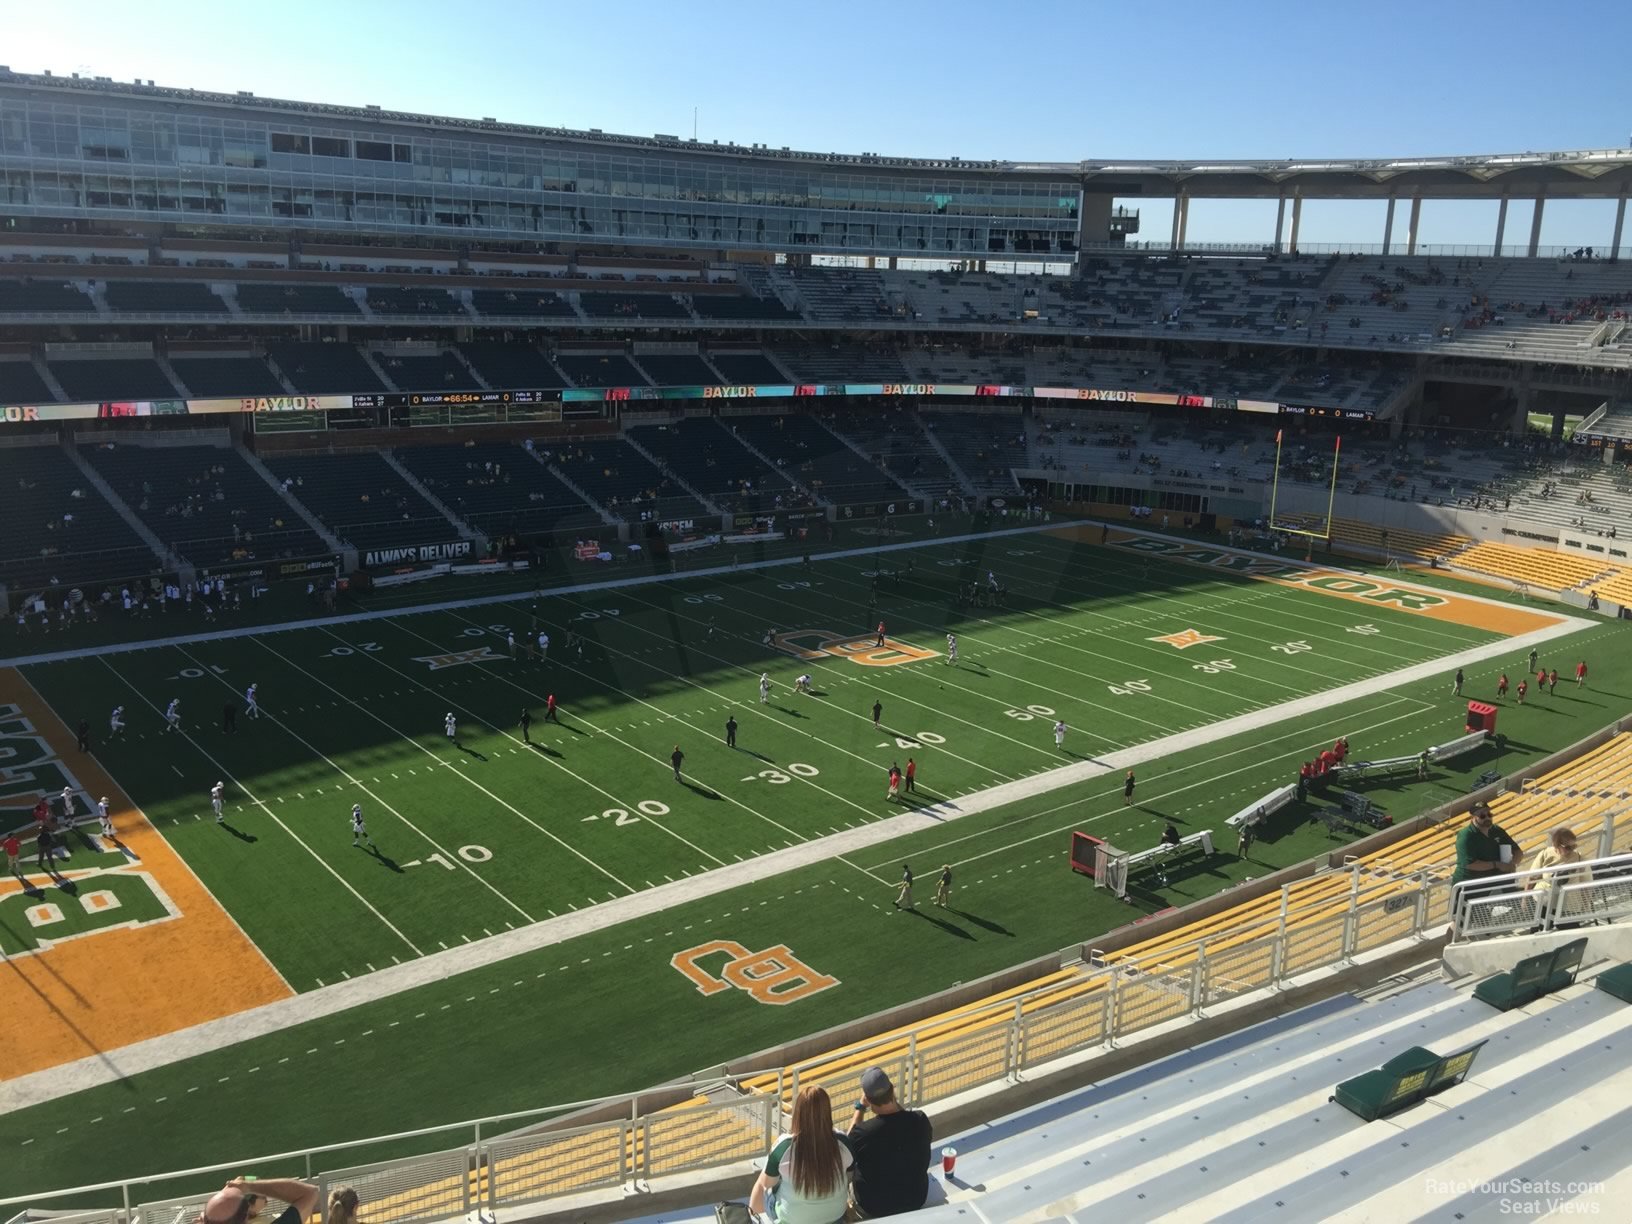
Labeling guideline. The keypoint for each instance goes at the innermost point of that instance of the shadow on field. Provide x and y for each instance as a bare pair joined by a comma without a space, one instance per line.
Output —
382,859
240,834
951,928
697,789
470,752
996,928
544,748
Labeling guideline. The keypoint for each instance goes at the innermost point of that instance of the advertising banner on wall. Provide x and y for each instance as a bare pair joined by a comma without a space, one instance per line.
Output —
416,554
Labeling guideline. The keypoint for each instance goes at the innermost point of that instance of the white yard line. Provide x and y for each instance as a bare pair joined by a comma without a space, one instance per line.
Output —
112,1066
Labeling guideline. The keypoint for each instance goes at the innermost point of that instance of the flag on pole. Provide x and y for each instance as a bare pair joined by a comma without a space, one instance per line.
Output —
1277,437
1339,444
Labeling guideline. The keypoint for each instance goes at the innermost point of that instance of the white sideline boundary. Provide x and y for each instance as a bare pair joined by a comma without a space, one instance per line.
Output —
111,1066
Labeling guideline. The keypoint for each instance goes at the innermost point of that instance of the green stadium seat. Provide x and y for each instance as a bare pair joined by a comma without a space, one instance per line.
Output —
1617,982
1532,977
1404,1080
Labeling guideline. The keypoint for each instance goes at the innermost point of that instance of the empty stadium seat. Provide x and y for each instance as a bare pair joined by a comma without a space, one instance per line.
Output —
205,502
677,370
513,367
599,370
324,369
622,480
162,297
531,303
113,378
715,464
631,306
747,369
20,383
498,487
42,545
225,377
257,298
30,296
362,499
817,459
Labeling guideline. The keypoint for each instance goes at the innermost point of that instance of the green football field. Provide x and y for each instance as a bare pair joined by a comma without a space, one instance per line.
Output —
496,831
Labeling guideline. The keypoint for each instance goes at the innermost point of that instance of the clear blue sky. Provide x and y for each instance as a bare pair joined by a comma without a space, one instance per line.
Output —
1051,80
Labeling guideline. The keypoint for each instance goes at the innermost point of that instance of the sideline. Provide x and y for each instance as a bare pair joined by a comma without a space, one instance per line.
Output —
1065,529
64,1080
484,601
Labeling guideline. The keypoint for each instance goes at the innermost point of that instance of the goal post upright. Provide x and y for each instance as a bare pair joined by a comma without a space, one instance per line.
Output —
1331,495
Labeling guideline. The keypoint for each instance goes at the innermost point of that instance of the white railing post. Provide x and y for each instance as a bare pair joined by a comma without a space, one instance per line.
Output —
1111,1011
1017,1040
912,1076
1277,960
1198,993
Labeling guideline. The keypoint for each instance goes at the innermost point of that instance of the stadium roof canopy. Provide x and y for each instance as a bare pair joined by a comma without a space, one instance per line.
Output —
1584,173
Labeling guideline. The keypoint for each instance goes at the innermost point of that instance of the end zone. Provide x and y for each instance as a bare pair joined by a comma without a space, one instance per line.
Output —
1469,611
124,969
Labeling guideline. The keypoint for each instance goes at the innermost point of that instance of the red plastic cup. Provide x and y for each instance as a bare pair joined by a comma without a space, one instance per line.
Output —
949,1158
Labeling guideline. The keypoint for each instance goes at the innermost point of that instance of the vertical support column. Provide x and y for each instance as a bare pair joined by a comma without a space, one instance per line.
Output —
1411,225
1184,218
1620,217
1178,205
1297,220
1501,224
1388,224
1535,224
1280,221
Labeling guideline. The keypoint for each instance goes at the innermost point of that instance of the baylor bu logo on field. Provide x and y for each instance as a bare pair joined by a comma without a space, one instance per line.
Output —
775,976
861,648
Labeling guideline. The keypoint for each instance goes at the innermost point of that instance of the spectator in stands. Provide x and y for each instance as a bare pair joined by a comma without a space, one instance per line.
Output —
239,1200
891,1148
1479,848
805,1173
342,1207
1549,890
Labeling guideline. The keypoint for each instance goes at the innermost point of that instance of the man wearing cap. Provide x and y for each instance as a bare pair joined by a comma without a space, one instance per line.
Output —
1479,846
891,1149
239,1200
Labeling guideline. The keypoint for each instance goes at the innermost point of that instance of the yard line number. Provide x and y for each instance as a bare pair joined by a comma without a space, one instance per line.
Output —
622,816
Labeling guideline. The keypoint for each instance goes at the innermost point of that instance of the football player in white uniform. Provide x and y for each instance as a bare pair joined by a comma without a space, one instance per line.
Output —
102,815
765,688
1059,734
251,708
951,648
450,725
116,721
217,793
802,684
172,715
359,830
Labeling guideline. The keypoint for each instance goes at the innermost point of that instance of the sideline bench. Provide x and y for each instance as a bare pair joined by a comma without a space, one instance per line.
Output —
1404,1080
1164,855
1533,977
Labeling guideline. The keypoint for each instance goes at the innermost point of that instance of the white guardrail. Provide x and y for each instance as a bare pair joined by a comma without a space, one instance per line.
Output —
488,1164
1561,897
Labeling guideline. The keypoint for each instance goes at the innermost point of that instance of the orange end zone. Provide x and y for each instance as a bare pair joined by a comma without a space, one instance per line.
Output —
1375,592
102,989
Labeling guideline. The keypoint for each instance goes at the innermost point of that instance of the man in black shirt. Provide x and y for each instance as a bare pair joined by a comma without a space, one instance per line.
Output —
891,1149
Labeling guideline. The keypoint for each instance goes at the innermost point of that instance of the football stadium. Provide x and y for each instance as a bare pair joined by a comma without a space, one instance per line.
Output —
535,659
